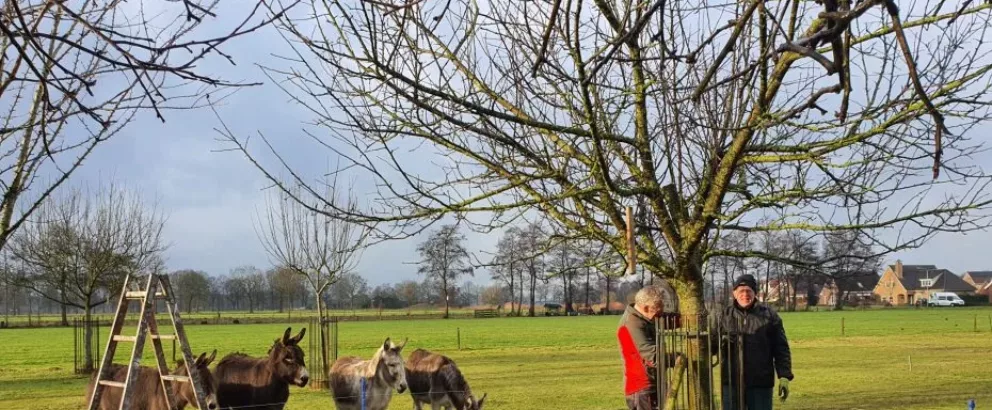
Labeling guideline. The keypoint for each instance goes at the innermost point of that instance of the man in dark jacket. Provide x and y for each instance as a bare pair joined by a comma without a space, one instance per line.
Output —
636,336
753,333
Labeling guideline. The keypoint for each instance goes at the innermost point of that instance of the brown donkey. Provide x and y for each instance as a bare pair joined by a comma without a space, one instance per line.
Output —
262,383
148,394
434,379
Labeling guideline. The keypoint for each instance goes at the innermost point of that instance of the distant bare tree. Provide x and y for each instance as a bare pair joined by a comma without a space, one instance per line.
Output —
80,246
346,289
253,281
443,259
409,291
73,74
847,255
192,287
306,239
493,295
285,284
236,290
563,264
507,266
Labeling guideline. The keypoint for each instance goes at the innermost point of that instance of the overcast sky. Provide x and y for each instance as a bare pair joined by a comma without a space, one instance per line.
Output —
212,197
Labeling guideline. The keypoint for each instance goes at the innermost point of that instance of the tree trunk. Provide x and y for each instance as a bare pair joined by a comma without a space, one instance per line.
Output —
698,389
64,309
607,295
533,284
587,288
444,285
321,335
88,339
839,299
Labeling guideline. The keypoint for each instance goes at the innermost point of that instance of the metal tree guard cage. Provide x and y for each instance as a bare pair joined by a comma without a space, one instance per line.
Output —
692,353
316,367
79,327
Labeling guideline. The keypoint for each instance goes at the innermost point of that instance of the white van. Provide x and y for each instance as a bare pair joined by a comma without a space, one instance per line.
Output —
945,299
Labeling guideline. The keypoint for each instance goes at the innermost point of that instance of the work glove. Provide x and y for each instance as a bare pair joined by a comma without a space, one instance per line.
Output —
783,388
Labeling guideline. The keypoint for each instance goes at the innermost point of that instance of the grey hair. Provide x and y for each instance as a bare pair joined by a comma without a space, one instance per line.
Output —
650,295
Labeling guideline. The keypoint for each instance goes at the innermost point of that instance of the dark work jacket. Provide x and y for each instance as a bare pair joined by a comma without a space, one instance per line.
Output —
765,347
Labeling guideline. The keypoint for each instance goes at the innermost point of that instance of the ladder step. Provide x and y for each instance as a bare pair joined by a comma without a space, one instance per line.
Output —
110,383
164,337
140,294
122,338
175,378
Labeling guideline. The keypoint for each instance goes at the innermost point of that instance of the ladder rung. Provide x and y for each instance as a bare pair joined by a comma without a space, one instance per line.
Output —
110,383
140,294
164,337
175,378
122,338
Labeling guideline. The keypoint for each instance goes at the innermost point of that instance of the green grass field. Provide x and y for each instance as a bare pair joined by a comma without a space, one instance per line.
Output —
573,363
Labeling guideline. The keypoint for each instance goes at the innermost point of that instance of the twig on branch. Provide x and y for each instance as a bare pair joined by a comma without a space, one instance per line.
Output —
914,76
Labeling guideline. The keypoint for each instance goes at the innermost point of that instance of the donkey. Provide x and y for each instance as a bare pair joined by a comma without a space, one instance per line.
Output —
435,379
262,383
149,393
380,374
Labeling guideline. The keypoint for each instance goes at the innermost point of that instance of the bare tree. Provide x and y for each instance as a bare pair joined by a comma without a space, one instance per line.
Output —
252,282
79,247
849,255
307,240
285,284
443,258
192,288
409,291
347,288
581,109
236,290
563,264
506,266
74,74
493,295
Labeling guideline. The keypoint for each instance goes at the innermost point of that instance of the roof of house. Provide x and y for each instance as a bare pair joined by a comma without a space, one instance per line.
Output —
942,278
980,276
862,282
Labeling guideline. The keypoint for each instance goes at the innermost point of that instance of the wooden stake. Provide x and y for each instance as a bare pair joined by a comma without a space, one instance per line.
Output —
631,256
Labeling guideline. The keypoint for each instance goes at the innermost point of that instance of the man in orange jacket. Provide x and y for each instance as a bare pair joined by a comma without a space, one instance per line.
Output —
636,335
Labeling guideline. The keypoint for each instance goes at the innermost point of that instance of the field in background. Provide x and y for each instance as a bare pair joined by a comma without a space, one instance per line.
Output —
572,362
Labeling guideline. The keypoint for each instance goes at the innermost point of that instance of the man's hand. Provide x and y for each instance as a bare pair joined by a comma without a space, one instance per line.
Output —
783,388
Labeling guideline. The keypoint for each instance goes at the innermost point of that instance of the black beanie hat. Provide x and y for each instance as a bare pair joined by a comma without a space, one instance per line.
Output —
746,280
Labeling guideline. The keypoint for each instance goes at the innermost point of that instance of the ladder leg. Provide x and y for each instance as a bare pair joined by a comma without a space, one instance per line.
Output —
194,374
147,304
108,356
163,367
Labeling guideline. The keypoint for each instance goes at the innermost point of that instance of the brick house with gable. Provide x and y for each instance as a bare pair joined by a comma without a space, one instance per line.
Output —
905,284
978,279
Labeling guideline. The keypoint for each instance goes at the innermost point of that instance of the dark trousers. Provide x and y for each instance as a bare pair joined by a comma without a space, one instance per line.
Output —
646,399
755,398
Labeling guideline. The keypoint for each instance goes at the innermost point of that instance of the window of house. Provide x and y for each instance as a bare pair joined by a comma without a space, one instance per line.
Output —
926,283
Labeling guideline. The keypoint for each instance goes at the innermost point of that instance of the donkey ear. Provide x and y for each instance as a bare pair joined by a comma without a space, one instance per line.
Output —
296,339
211,358
386,345
199,359
285,336
479,404
401,345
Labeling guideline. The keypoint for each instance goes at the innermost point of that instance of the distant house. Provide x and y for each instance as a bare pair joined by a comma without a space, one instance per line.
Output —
978,279
905,284
857,289
987,290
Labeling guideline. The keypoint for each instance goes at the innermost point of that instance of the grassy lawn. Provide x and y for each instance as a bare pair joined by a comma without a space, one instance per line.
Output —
573,363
